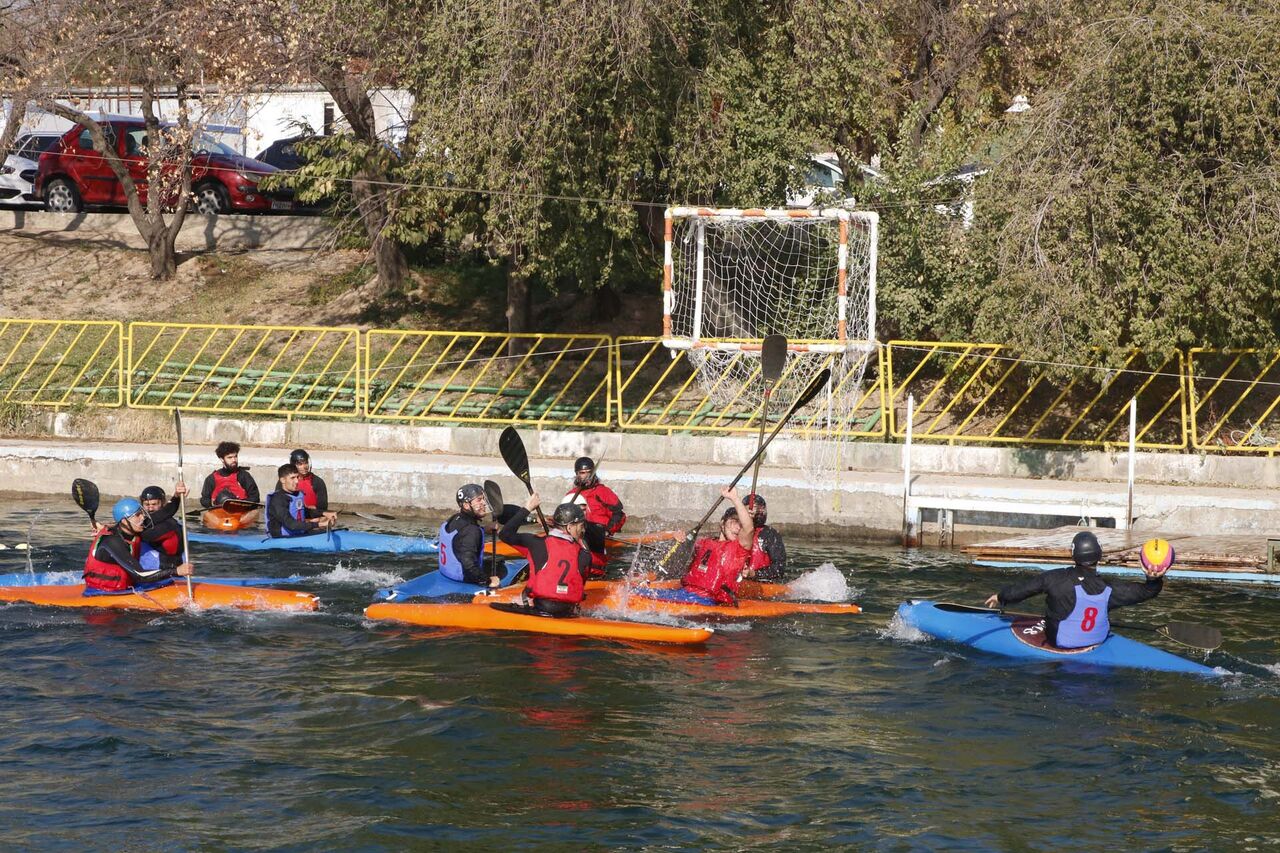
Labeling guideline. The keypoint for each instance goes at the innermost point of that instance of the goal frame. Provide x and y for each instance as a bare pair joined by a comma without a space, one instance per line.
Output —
847,219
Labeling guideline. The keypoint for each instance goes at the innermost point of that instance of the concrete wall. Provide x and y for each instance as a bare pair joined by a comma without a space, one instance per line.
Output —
199,233
669,479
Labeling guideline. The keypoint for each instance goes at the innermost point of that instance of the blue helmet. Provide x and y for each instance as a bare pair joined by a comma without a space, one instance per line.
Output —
124,508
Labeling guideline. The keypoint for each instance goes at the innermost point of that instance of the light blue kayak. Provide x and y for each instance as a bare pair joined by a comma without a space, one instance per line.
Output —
1017,638
72,578
436,585
341,541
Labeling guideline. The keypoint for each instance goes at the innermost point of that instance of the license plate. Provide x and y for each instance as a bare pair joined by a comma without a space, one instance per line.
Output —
282,205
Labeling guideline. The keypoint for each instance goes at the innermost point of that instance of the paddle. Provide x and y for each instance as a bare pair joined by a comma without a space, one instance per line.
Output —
1196,636
182,502
511,446
493,494
230,504
773,357
682,551
85,494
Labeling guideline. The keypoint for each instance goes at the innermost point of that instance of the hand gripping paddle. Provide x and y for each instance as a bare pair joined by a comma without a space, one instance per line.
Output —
511,446
682,552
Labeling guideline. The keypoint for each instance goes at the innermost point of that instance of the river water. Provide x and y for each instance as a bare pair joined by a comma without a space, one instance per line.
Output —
229,731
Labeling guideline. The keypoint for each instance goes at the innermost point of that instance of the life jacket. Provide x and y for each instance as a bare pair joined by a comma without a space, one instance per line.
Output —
150,553
109,577
450,565
297,511
759,557
228,483
595,501
1088,623
308,491
558,578
716,569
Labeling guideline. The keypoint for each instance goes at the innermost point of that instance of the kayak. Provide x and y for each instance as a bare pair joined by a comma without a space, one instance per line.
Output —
226,521
340,541
1023,637
166,598
615,595
482,616
435,585
73,578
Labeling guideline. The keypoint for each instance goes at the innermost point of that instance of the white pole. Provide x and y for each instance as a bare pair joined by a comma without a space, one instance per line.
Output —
907,526
1133,441
699,278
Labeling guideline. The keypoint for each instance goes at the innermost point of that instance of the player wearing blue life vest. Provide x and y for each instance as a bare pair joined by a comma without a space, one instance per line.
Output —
1077,599
287,512
462,556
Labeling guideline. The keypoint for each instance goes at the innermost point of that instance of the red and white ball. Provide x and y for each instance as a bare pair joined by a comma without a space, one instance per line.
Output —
1156,556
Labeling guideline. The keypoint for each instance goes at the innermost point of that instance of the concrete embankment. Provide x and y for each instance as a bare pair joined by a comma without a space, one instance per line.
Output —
671,479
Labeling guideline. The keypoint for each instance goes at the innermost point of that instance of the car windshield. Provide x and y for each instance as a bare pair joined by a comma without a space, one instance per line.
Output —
204,144
31,147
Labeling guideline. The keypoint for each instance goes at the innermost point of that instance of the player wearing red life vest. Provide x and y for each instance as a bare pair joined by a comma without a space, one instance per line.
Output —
602,508
558,562
231,482
163,529
768,553
113,561
720,563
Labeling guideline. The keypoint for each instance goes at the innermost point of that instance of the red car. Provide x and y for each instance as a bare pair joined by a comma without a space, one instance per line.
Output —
72,175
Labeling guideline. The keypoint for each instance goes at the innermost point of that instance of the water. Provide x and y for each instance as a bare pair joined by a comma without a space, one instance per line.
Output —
321,731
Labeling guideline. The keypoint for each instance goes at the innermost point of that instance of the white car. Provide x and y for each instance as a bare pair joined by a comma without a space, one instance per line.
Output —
19,170
823,182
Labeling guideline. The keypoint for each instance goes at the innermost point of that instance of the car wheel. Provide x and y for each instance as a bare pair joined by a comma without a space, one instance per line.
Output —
211,199
60,196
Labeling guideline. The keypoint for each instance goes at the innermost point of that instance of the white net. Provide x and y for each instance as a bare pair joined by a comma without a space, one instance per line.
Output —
732,277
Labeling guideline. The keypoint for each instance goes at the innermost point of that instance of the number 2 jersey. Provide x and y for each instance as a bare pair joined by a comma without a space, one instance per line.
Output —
558,564
1078,625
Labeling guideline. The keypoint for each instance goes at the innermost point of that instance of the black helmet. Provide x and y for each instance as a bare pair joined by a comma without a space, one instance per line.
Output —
152,493
469,492
729,513
584,463
756,505
299,455
567,514
1085,549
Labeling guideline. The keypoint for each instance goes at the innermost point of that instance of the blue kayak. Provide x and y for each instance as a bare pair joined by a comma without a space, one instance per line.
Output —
436,585
72,578
340,541
1020,637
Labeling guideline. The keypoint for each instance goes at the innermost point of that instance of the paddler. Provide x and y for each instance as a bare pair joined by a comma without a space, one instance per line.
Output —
314,491
768,554
1077,598
462,555
230,482
602,508
162,533
559,562
720,563
287,512
113,564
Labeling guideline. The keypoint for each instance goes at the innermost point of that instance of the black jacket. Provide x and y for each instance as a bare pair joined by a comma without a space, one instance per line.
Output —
1059,589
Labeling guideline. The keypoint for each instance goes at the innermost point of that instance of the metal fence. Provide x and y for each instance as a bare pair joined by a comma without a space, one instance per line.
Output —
1209,400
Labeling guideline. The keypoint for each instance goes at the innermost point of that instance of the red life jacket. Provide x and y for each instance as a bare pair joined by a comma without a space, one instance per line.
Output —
759,558
716,569
599,503
308,491
170,543
99,574
558,579
228,483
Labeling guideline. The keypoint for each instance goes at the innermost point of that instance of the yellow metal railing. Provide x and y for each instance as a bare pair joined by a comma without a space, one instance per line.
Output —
272,370
484,377
1235,397
658,392
966,392
61,362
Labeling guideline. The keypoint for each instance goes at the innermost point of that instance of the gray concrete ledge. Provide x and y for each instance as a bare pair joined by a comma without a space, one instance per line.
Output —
199,232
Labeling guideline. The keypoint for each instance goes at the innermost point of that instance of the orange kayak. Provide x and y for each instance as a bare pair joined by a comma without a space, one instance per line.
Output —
618,596
226,521
479,616
172,597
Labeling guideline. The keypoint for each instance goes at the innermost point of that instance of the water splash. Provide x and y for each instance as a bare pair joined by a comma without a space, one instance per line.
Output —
342,575
825,583
899,630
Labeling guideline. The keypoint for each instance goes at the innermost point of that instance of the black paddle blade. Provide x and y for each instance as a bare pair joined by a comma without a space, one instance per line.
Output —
679,557
237,505
1190,634
493,494
811,390
85,494
511,446
773,357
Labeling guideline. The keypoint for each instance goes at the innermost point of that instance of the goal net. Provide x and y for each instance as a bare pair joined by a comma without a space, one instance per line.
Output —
731,277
